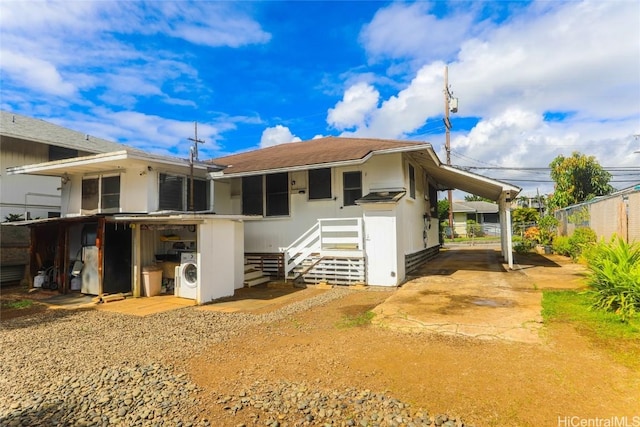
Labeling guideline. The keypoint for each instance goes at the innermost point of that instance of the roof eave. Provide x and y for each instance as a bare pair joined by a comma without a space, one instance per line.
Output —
424,147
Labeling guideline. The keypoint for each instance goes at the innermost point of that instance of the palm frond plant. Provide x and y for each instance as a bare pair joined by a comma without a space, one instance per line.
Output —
615,276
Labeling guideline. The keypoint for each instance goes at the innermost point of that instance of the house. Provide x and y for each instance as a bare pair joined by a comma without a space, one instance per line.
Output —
341,210
127,211
346,210
483,213
25,140
615,214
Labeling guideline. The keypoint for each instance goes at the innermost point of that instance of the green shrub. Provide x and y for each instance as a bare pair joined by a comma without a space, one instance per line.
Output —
615,276
474,229
523,246
580,239
561,245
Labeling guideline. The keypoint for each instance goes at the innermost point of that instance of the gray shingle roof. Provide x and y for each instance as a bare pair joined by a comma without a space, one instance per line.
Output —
477,206
30,129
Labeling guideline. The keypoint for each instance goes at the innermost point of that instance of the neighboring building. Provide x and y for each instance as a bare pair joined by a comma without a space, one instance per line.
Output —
485,214
25,140
345,210
127,210
615,214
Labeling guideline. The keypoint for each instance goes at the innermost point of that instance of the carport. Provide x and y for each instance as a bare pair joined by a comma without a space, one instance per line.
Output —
452,178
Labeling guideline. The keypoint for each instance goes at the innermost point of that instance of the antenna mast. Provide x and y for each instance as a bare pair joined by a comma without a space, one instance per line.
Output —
193,156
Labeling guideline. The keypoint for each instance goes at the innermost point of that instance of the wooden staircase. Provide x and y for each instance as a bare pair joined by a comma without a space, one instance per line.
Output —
254,277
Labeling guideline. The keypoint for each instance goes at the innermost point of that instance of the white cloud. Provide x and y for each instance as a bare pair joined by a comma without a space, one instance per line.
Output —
521,138
577,58
36,73
71,48
276,135
409,31
357,103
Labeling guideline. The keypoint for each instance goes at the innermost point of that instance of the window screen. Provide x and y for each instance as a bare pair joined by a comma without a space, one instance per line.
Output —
277,194
320,184
200,195
171,192
252,195
90,194
352,187
110,192
59,153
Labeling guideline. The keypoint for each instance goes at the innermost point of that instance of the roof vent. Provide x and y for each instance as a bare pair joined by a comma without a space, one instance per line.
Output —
86,136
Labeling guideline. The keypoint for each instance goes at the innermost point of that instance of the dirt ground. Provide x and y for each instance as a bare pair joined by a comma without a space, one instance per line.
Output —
486,382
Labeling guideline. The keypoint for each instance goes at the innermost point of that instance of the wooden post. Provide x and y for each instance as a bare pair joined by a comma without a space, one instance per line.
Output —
100,246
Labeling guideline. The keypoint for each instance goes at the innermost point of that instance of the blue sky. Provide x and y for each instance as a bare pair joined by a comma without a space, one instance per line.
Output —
533,79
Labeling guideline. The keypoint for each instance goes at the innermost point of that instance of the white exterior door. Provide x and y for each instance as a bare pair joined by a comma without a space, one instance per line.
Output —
381,247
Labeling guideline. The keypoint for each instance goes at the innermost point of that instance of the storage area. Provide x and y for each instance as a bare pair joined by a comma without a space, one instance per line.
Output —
163,246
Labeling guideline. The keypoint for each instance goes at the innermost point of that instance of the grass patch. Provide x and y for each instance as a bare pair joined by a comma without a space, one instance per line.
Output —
23,303
361,319
621,339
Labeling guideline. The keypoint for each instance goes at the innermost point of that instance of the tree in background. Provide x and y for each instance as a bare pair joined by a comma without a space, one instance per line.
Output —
577,178
443,210
474,198
523,218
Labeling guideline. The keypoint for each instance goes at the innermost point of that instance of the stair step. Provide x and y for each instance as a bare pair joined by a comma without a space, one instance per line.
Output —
257,281
253,274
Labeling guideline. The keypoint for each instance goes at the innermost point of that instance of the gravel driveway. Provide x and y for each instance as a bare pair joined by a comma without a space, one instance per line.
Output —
90,367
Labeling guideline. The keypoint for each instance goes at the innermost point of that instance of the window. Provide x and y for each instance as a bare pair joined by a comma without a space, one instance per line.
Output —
252,195
277,194
171,193
90,195
59,153
101,194
412,182
200,195
320,184
175,190
352,187
110,198
275,199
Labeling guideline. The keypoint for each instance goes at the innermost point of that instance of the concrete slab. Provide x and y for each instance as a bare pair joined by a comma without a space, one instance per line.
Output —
470,292
146,306
69,301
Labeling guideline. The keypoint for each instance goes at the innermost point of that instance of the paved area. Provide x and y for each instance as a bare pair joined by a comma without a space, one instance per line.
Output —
469,292
146,305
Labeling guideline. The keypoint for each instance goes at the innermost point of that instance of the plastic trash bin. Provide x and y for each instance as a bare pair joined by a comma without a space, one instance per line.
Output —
151,280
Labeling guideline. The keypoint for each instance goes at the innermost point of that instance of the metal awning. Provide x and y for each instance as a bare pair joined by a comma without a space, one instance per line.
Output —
381,197
452,178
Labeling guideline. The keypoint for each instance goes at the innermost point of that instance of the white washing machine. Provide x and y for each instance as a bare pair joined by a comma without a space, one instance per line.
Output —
186,278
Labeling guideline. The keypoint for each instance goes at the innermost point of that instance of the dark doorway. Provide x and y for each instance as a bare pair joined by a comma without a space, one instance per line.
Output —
117,258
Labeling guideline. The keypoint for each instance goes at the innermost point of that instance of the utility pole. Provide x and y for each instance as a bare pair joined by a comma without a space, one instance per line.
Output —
450,104
193,156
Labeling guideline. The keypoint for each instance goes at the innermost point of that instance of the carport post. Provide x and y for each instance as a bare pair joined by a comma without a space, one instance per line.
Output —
507,212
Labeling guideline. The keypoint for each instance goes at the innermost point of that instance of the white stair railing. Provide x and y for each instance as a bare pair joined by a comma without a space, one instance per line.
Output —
328,235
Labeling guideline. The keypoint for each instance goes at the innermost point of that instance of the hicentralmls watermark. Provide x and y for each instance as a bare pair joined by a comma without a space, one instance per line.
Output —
575,421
